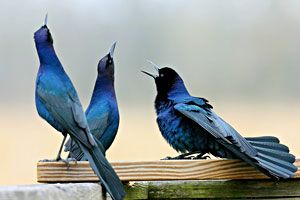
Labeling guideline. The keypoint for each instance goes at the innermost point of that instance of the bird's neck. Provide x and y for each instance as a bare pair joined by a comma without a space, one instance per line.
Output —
178,90
47,54
104,86
174,91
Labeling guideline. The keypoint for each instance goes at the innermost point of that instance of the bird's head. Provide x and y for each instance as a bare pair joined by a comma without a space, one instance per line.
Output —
106,64
43,35
167,80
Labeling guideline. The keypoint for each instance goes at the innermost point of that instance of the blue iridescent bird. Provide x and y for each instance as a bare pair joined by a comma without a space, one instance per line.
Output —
57,102
190,126
102,113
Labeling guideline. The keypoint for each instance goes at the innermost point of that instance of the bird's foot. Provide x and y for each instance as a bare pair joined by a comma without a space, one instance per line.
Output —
201,156
48,160
67,161
186,156
59,159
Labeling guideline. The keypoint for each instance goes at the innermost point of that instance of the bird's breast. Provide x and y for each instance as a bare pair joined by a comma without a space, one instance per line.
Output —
181,133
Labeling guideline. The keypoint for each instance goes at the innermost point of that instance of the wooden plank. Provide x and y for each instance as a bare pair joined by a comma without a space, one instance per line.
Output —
268,189
70,191
215,169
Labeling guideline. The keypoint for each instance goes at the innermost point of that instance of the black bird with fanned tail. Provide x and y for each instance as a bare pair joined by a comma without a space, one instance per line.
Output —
190,126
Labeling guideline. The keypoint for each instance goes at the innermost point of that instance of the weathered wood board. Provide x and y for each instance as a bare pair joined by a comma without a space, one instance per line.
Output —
231,189
242,189
162,170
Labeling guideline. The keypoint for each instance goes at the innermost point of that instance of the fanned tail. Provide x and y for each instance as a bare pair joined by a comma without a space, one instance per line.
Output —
74,150
103,170
273,156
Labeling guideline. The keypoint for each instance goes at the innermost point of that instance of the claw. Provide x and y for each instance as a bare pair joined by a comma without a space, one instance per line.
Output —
202,157
167,158
184,156
47,160
68,161
180,157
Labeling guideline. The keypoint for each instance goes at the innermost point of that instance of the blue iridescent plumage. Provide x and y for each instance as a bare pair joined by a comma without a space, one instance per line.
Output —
190,126
102,113
57,102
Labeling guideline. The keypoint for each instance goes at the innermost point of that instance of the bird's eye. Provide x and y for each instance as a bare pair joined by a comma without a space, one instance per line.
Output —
109,61
162,75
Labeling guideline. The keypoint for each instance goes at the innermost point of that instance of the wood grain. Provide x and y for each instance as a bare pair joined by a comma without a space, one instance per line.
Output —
212,189
215,169
180,189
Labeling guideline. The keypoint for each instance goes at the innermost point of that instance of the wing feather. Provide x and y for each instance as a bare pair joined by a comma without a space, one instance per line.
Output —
215,126
64,109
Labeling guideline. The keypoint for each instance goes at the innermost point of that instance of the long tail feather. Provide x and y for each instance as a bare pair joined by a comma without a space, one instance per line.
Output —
273,156
270,145
104,171
263,139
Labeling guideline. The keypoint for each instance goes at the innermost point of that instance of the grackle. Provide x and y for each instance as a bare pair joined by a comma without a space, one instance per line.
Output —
189,125
57,102
102,114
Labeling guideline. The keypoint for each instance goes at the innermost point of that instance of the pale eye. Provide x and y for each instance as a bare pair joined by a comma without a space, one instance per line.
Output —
109,61
161,75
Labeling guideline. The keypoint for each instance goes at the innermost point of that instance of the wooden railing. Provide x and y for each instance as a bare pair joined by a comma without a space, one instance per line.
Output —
161,170
180,179
174,179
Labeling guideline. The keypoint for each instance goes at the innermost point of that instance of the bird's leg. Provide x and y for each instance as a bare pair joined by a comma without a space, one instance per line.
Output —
182,156
68,160
58,157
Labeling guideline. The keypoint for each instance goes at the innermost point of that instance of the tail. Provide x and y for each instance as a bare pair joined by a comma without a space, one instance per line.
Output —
103,170
273,156
76,152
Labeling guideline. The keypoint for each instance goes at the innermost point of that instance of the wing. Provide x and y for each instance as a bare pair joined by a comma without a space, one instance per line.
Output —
97,116
98,119
218,128
63,104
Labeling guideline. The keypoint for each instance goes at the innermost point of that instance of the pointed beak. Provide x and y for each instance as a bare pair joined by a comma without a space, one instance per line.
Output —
112,50
156,67
46,20
152,75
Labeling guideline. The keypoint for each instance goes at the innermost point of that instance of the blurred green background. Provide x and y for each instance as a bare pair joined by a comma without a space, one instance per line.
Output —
241,55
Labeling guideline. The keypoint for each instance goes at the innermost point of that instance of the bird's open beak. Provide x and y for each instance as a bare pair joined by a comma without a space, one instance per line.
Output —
112,50
156,67
152,75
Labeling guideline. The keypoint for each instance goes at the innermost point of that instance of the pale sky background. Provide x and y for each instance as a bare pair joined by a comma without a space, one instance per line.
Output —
241,55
